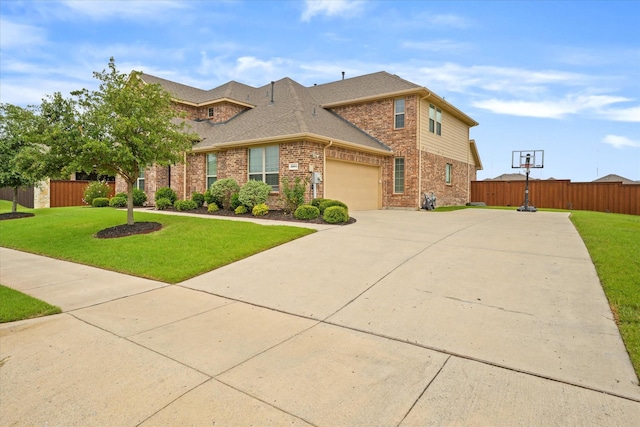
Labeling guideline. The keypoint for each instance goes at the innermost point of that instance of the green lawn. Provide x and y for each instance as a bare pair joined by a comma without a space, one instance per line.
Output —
18,306
184,248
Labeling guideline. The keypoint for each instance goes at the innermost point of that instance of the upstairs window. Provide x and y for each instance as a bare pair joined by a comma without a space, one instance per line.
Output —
435,120
212,169
210,112
264,165
398,112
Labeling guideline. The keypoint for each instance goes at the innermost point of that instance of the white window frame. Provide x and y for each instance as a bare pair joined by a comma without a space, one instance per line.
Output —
435,120
448,171
210,112
397,114
140,179
261,170
212,176
396,173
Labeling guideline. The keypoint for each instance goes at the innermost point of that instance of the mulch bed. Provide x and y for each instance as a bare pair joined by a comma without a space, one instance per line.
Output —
15,215
273,215
125,230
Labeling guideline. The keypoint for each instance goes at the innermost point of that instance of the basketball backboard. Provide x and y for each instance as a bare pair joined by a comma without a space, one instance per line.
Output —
527,159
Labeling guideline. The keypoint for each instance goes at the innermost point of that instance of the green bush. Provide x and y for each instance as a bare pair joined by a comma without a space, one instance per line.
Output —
223,190
185,205
259,210
254,193
94,190
307,212
235,202
139,197
328,203
335,215
208,197
316,202
198,198
166,193
100,202
163,203
293,195
242,209
118,202
212,207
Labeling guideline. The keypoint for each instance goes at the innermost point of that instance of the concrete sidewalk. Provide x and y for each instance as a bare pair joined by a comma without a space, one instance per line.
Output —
473,317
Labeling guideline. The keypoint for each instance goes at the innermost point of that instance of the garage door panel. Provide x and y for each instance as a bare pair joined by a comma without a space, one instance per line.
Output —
355,184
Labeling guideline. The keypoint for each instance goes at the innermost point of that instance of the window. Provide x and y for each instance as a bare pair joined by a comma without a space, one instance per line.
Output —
140,180
435,120
398,111
447,173
398,175
210,112
212,169
264,165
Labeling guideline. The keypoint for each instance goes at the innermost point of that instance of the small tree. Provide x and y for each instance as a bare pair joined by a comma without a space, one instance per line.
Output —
116,130
17,126
293,194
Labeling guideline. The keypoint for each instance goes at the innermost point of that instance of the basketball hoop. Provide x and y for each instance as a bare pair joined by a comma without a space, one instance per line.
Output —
527,159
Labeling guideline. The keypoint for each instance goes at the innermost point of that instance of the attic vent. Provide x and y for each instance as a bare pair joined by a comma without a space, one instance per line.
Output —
343,75
272,84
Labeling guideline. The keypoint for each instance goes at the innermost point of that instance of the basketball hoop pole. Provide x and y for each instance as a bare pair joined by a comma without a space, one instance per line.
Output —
526,207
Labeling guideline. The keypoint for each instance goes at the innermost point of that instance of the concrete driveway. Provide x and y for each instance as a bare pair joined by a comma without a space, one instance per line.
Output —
473,317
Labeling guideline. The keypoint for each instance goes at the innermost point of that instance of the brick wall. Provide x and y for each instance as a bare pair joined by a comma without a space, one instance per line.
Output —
433,179
222,111
377,119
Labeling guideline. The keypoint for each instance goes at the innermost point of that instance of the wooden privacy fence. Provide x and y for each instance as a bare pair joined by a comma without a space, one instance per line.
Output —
70,193
25,196
561,194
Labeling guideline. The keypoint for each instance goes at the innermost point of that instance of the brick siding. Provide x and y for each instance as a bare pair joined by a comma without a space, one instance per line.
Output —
433,179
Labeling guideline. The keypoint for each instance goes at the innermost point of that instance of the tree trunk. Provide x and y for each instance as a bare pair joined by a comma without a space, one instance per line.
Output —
129,203
14,205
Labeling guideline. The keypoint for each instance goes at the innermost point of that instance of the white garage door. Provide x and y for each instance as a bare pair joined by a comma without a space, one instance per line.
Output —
355,184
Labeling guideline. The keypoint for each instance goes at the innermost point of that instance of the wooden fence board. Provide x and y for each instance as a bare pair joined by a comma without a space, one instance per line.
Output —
25,196
561,194
70,193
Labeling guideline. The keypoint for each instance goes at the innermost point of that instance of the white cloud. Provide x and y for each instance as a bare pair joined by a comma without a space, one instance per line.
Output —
448,46
623,114
20,36
100,9
448,20
341,8
620,141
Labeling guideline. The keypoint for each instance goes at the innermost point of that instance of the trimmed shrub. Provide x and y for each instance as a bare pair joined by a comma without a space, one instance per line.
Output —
254,193
100,202
123,195
212,207
307,212
335,215
94,190
198,198
293,195
118,202
259,210
184,205
328,203
166,193
242,209
163,203
316,202
235,202
208,197
139,197
223,190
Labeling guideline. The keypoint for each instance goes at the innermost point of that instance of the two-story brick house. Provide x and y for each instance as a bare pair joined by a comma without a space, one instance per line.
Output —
377,141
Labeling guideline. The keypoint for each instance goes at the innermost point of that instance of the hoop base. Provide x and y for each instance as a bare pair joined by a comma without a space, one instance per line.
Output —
527,209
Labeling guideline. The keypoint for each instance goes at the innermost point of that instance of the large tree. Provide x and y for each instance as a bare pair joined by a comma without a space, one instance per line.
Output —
118,129
16,138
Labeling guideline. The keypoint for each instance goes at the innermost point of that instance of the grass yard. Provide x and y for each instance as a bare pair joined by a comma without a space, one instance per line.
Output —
18,306
184,248
613,241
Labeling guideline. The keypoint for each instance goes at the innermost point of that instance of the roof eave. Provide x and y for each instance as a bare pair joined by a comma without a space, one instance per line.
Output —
475,154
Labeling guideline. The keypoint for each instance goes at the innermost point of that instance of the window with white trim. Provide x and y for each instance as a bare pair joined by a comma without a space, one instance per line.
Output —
435,120
140,180
210,112
264,165
398,175
398,113
212,169
447,173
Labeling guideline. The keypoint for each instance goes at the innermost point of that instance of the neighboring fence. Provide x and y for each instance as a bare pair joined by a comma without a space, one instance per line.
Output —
561,194
25,196
70,193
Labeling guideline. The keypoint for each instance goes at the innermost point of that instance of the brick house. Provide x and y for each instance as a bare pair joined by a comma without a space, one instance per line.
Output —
376,141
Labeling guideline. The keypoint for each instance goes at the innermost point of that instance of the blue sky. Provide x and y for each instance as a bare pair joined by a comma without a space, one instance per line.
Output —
563,77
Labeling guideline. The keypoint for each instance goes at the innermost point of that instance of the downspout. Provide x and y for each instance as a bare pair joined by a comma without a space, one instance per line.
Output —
468,173
420,150
184,178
